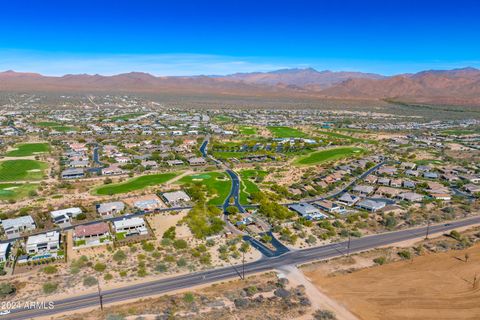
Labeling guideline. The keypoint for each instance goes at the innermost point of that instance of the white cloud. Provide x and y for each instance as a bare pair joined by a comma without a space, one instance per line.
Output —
56,64
158,64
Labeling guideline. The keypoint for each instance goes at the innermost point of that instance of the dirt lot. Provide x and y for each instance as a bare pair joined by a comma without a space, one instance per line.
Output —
433,286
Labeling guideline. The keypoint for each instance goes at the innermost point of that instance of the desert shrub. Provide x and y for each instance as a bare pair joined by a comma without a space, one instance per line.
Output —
89,281
324,315
405,254
100,267
380,260
119,256
49,287
50,269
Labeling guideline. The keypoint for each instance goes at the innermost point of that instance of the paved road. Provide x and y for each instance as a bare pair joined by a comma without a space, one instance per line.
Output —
203,147
234,192
265,264
96,160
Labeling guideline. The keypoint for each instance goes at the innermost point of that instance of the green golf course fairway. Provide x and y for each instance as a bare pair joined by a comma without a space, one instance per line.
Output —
286,132
18,170
56,126
135,183
328,155
246,130
28,149
218,185
13,191
248,186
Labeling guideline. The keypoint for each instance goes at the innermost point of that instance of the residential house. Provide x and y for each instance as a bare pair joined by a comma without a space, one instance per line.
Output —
64,215
149,164
92,234
471,178
113,169
130,226
387,170
348,199
73,173
370,205
363,190
173,163
409,184
197,161
383,181
329,206
472,188
410,196
13,227
412,173
307,211
430,175
396,183
43,243
371,179
4,251
110,208
175,198
441,196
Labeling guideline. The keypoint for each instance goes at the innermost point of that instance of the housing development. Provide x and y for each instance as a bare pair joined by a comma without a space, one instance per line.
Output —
95,199
239,160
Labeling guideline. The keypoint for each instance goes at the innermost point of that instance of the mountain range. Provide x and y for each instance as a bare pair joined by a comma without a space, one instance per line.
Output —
455,87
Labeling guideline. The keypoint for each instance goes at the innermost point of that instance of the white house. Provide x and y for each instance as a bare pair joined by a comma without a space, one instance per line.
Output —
43,243
110,208
371,205
64,215
307,211
329,206
131,226
176,197
4,251
13,227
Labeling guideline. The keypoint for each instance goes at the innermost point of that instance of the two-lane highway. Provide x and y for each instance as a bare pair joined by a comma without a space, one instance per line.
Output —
193,279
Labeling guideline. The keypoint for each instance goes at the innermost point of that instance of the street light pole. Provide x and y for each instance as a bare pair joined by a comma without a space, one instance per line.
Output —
100,297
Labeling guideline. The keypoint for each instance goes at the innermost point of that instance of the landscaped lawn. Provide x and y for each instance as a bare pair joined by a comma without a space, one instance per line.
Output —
13,191
222,118
218,185
136,183
286,132
56,126
248,185
328,155
28,149
246,130
17,170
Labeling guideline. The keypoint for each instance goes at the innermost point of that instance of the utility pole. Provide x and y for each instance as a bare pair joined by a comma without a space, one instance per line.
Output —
100,297
243,265
428,227
348,245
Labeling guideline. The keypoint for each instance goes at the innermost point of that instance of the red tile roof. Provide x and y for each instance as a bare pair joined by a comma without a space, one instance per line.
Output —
93,229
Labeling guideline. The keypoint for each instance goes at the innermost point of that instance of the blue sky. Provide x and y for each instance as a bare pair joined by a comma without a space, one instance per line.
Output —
220,37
